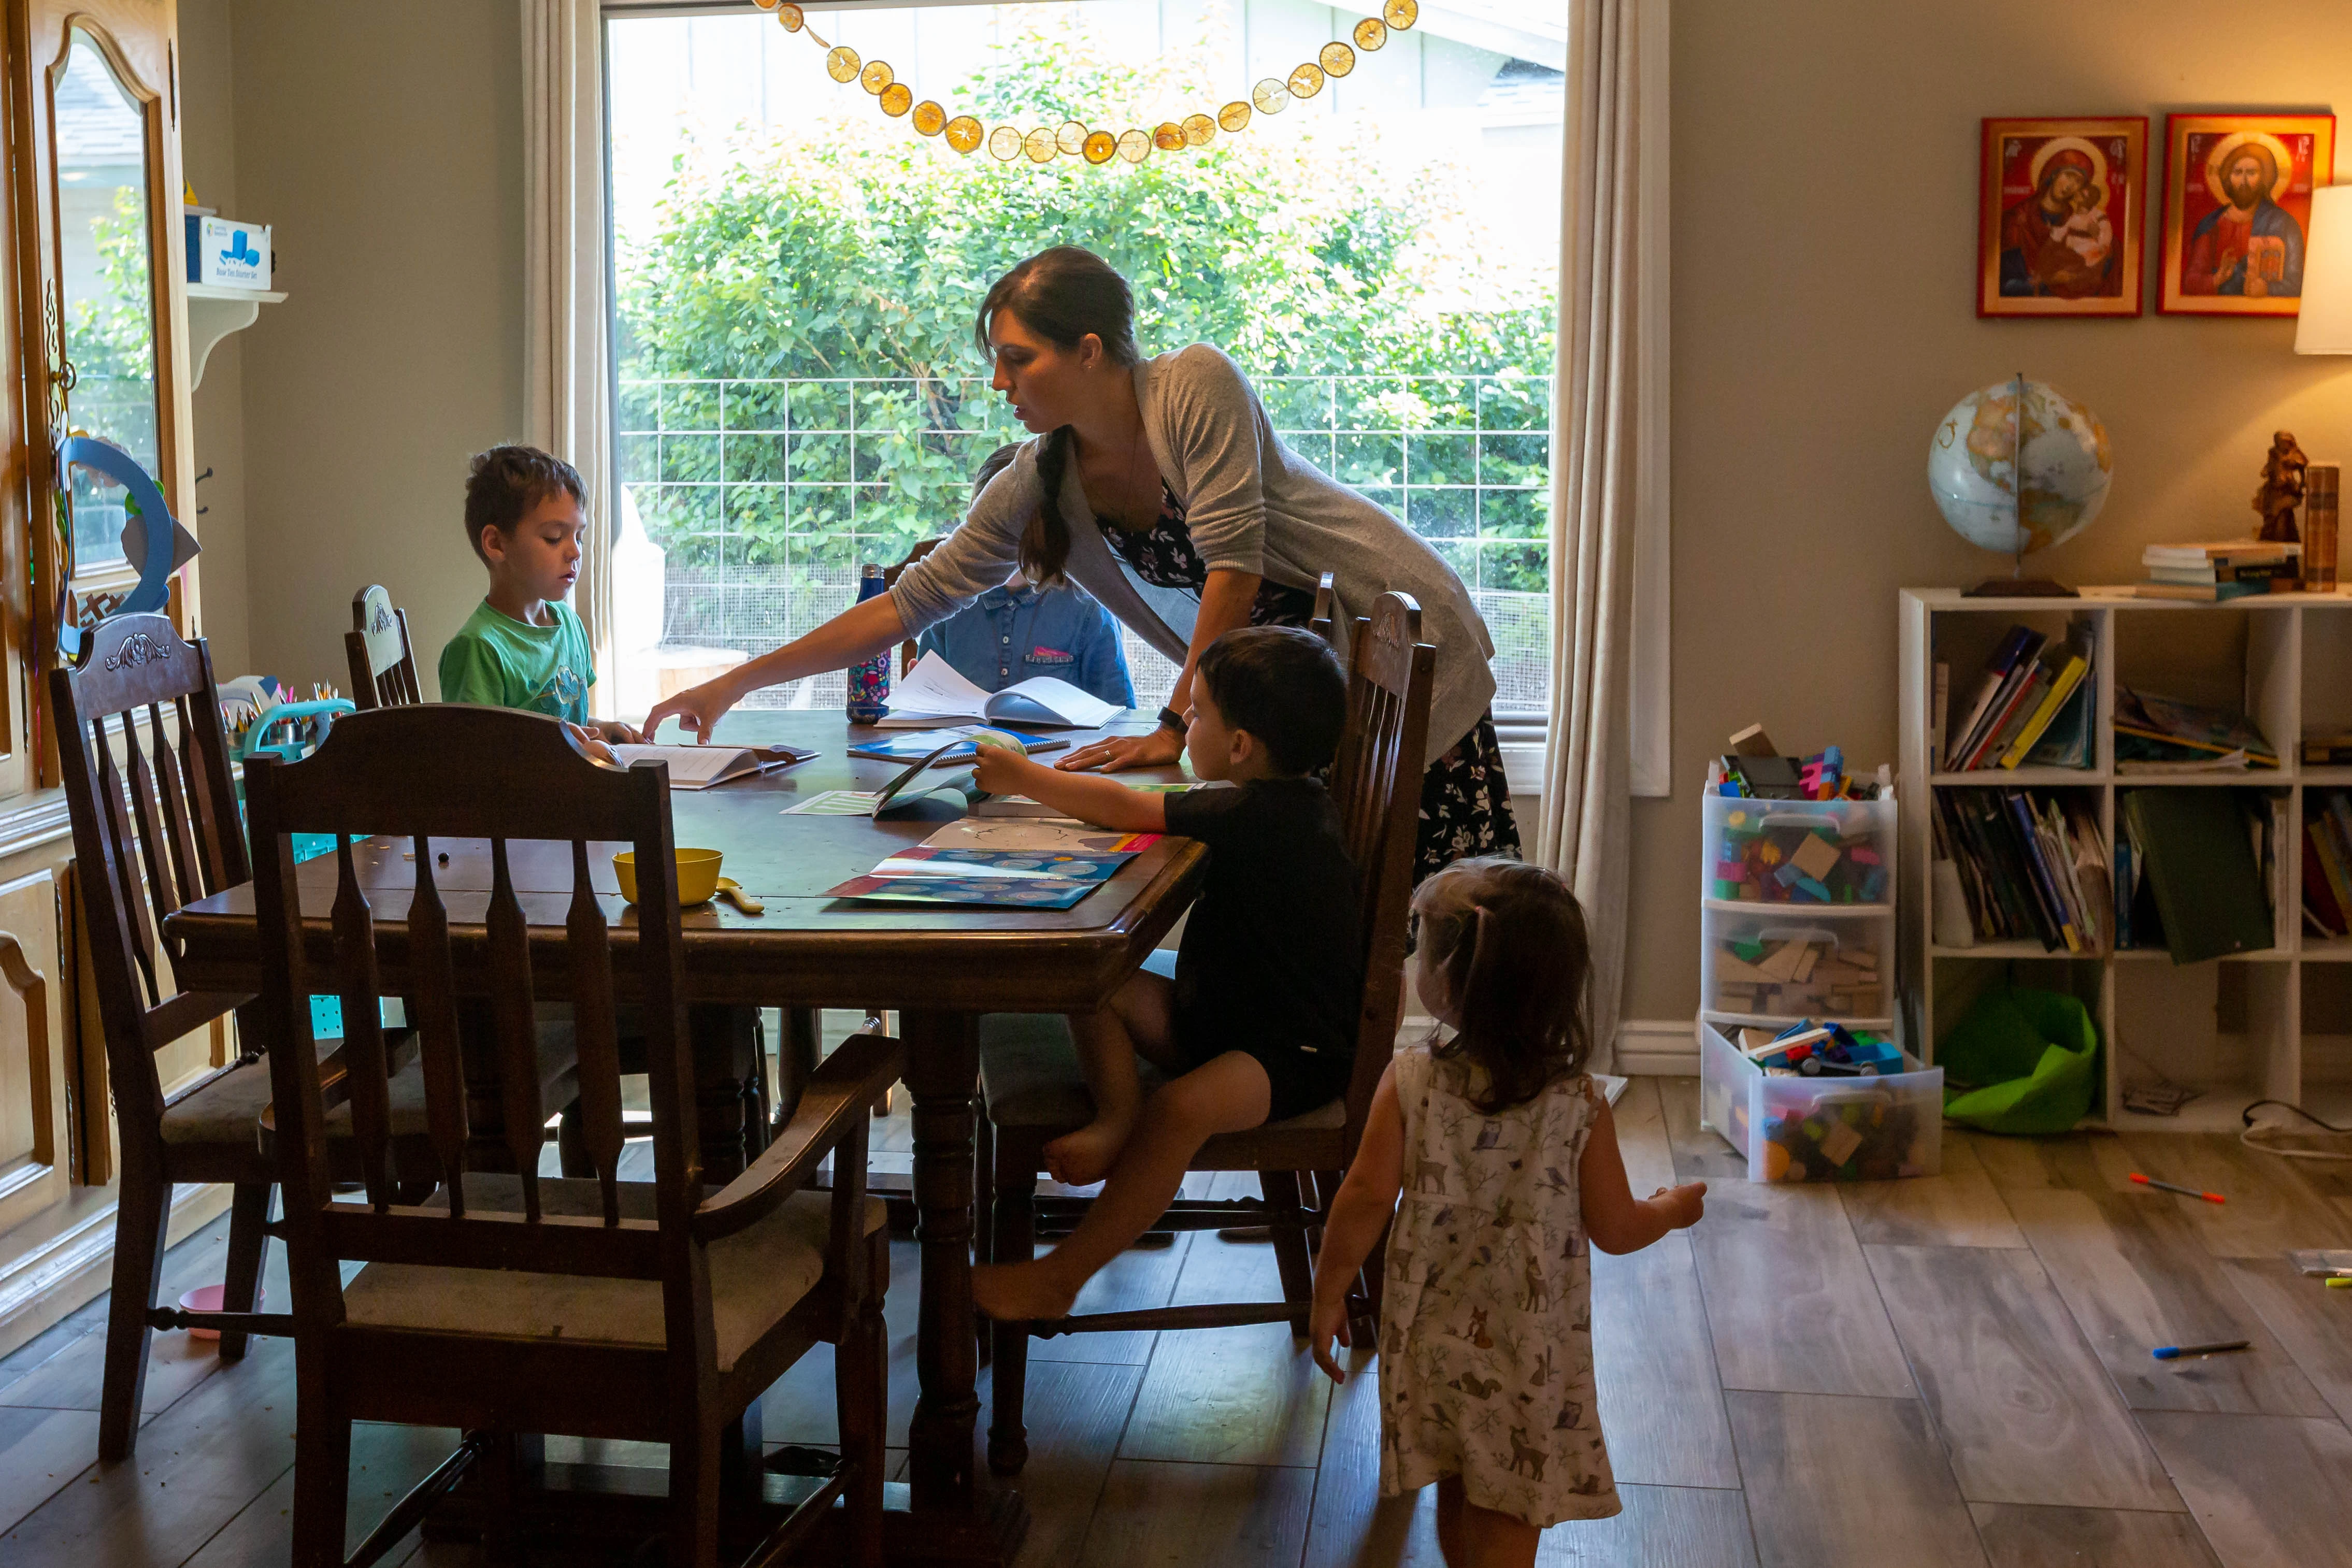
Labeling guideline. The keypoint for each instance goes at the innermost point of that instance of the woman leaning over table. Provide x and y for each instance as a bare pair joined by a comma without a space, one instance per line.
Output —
1166,471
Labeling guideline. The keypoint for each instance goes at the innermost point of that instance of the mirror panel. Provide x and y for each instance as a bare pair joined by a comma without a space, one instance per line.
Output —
106,273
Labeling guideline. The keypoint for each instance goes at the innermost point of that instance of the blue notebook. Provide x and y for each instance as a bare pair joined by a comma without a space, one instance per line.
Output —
917,744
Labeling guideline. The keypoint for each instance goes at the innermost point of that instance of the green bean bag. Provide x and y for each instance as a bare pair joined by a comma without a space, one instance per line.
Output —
2031,1057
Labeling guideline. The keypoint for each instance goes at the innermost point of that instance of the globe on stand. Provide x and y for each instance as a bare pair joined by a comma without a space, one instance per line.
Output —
2017,467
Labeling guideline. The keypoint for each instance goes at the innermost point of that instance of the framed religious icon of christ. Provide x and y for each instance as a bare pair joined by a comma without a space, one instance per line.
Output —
2237,210
2059,216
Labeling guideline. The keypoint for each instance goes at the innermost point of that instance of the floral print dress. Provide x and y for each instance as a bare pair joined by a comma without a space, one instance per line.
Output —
1486,1310
1465,802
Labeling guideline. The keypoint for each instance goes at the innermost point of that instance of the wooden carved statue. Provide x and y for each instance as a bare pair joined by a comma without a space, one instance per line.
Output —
2281,490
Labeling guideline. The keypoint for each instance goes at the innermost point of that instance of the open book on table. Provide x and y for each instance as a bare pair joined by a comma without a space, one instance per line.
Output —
701,766
933,693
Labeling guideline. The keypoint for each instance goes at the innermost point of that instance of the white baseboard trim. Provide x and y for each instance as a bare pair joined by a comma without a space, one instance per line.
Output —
1657,1048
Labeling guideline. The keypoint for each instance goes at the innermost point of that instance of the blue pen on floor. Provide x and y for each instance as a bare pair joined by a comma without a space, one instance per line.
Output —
2175,1352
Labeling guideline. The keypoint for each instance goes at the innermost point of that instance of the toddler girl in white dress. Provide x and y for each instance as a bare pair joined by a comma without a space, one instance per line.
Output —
1497,1158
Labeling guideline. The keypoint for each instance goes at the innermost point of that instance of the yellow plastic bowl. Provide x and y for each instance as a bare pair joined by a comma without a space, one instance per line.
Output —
697,875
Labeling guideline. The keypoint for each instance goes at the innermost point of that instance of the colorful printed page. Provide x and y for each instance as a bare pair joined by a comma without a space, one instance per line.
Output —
1030,834
994,892
1014,865
1003,878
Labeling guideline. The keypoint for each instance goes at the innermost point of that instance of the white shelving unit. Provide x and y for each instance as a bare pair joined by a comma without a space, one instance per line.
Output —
2233,1028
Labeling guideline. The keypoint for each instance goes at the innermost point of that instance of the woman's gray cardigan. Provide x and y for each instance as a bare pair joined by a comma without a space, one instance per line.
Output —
1252,504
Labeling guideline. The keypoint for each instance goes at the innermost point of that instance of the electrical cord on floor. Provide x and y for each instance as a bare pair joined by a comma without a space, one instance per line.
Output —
2269,1137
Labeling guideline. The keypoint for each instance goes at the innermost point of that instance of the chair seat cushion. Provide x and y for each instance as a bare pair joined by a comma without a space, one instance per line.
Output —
1030,1078
227,1110
757,1275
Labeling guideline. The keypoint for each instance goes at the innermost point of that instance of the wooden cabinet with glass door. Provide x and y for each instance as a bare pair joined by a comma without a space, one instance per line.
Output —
94,319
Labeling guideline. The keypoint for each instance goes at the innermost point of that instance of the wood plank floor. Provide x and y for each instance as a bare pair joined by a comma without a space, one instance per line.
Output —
1952,1370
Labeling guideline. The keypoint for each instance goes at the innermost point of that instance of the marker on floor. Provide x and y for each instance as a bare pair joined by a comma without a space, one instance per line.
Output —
2341,1282
2175,1352
2175,1186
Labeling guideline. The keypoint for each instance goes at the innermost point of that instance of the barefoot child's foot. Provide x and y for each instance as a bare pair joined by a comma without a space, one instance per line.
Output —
1083,1157
1020,1292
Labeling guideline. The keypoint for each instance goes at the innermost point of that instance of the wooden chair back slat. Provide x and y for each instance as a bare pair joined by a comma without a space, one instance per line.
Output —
178,821
366,1079
516,1024
431,1010
381,658
154,832
596,1032
1376,784
124,861
204,763
527,781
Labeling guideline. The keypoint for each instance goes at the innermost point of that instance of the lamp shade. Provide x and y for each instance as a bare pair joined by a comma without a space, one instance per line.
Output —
2325,325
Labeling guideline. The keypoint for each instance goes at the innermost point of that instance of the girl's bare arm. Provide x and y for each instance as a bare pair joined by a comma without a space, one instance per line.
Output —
1366,1203
1614,1219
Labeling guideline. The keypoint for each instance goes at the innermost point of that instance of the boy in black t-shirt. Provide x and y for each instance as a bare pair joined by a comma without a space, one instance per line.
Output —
1259,1022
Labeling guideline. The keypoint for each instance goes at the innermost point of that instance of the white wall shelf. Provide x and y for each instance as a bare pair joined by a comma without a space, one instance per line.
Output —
2237,1032
215,312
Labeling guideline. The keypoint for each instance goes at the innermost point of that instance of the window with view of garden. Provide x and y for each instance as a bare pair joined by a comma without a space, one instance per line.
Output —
796,274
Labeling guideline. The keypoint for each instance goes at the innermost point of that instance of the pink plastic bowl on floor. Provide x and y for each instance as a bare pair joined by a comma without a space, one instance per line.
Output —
208,1299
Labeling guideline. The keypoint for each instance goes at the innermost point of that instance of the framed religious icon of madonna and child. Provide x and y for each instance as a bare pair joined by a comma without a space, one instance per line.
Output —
2237,209
2058,217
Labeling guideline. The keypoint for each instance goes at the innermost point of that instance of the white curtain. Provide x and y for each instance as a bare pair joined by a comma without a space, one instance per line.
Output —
1607,437
566,379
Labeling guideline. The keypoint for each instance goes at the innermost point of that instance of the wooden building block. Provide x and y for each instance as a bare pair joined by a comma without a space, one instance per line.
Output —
1816,857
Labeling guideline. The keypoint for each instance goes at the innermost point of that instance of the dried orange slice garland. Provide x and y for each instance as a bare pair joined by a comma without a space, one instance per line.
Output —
1075,139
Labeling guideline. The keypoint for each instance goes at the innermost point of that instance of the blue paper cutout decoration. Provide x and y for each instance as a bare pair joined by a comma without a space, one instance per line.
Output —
147,500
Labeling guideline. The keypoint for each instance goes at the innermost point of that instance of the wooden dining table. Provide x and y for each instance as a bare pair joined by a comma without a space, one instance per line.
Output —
940,967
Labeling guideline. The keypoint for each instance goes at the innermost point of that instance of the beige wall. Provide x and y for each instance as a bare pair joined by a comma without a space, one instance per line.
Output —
1824,183
208,155
384,143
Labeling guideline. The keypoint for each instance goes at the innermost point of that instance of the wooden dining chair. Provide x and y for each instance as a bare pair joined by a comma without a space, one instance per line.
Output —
382,660
1034,1091
144,756
513,1304
907,650
145,763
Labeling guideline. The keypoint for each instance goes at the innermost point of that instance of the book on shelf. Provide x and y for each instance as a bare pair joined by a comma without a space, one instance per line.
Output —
2280,568
2327,750
2151,729
2032,866
2012,662
2220,550
2076,655
2197,860
2031,682
2327,863
1940,716
2198,592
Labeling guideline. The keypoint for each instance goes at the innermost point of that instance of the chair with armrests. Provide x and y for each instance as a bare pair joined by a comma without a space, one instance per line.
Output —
1034,1091
513,1304
382,660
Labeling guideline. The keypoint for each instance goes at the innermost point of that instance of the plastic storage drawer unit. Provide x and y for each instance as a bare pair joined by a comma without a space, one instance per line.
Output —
1790,965
1798,851
1821,1129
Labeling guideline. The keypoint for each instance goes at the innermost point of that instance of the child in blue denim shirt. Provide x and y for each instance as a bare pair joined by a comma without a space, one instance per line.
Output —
1015,631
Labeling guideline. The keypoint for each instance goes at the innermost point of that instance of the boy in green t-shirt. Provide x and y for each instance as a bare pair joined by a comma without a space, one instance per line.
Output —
523,647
